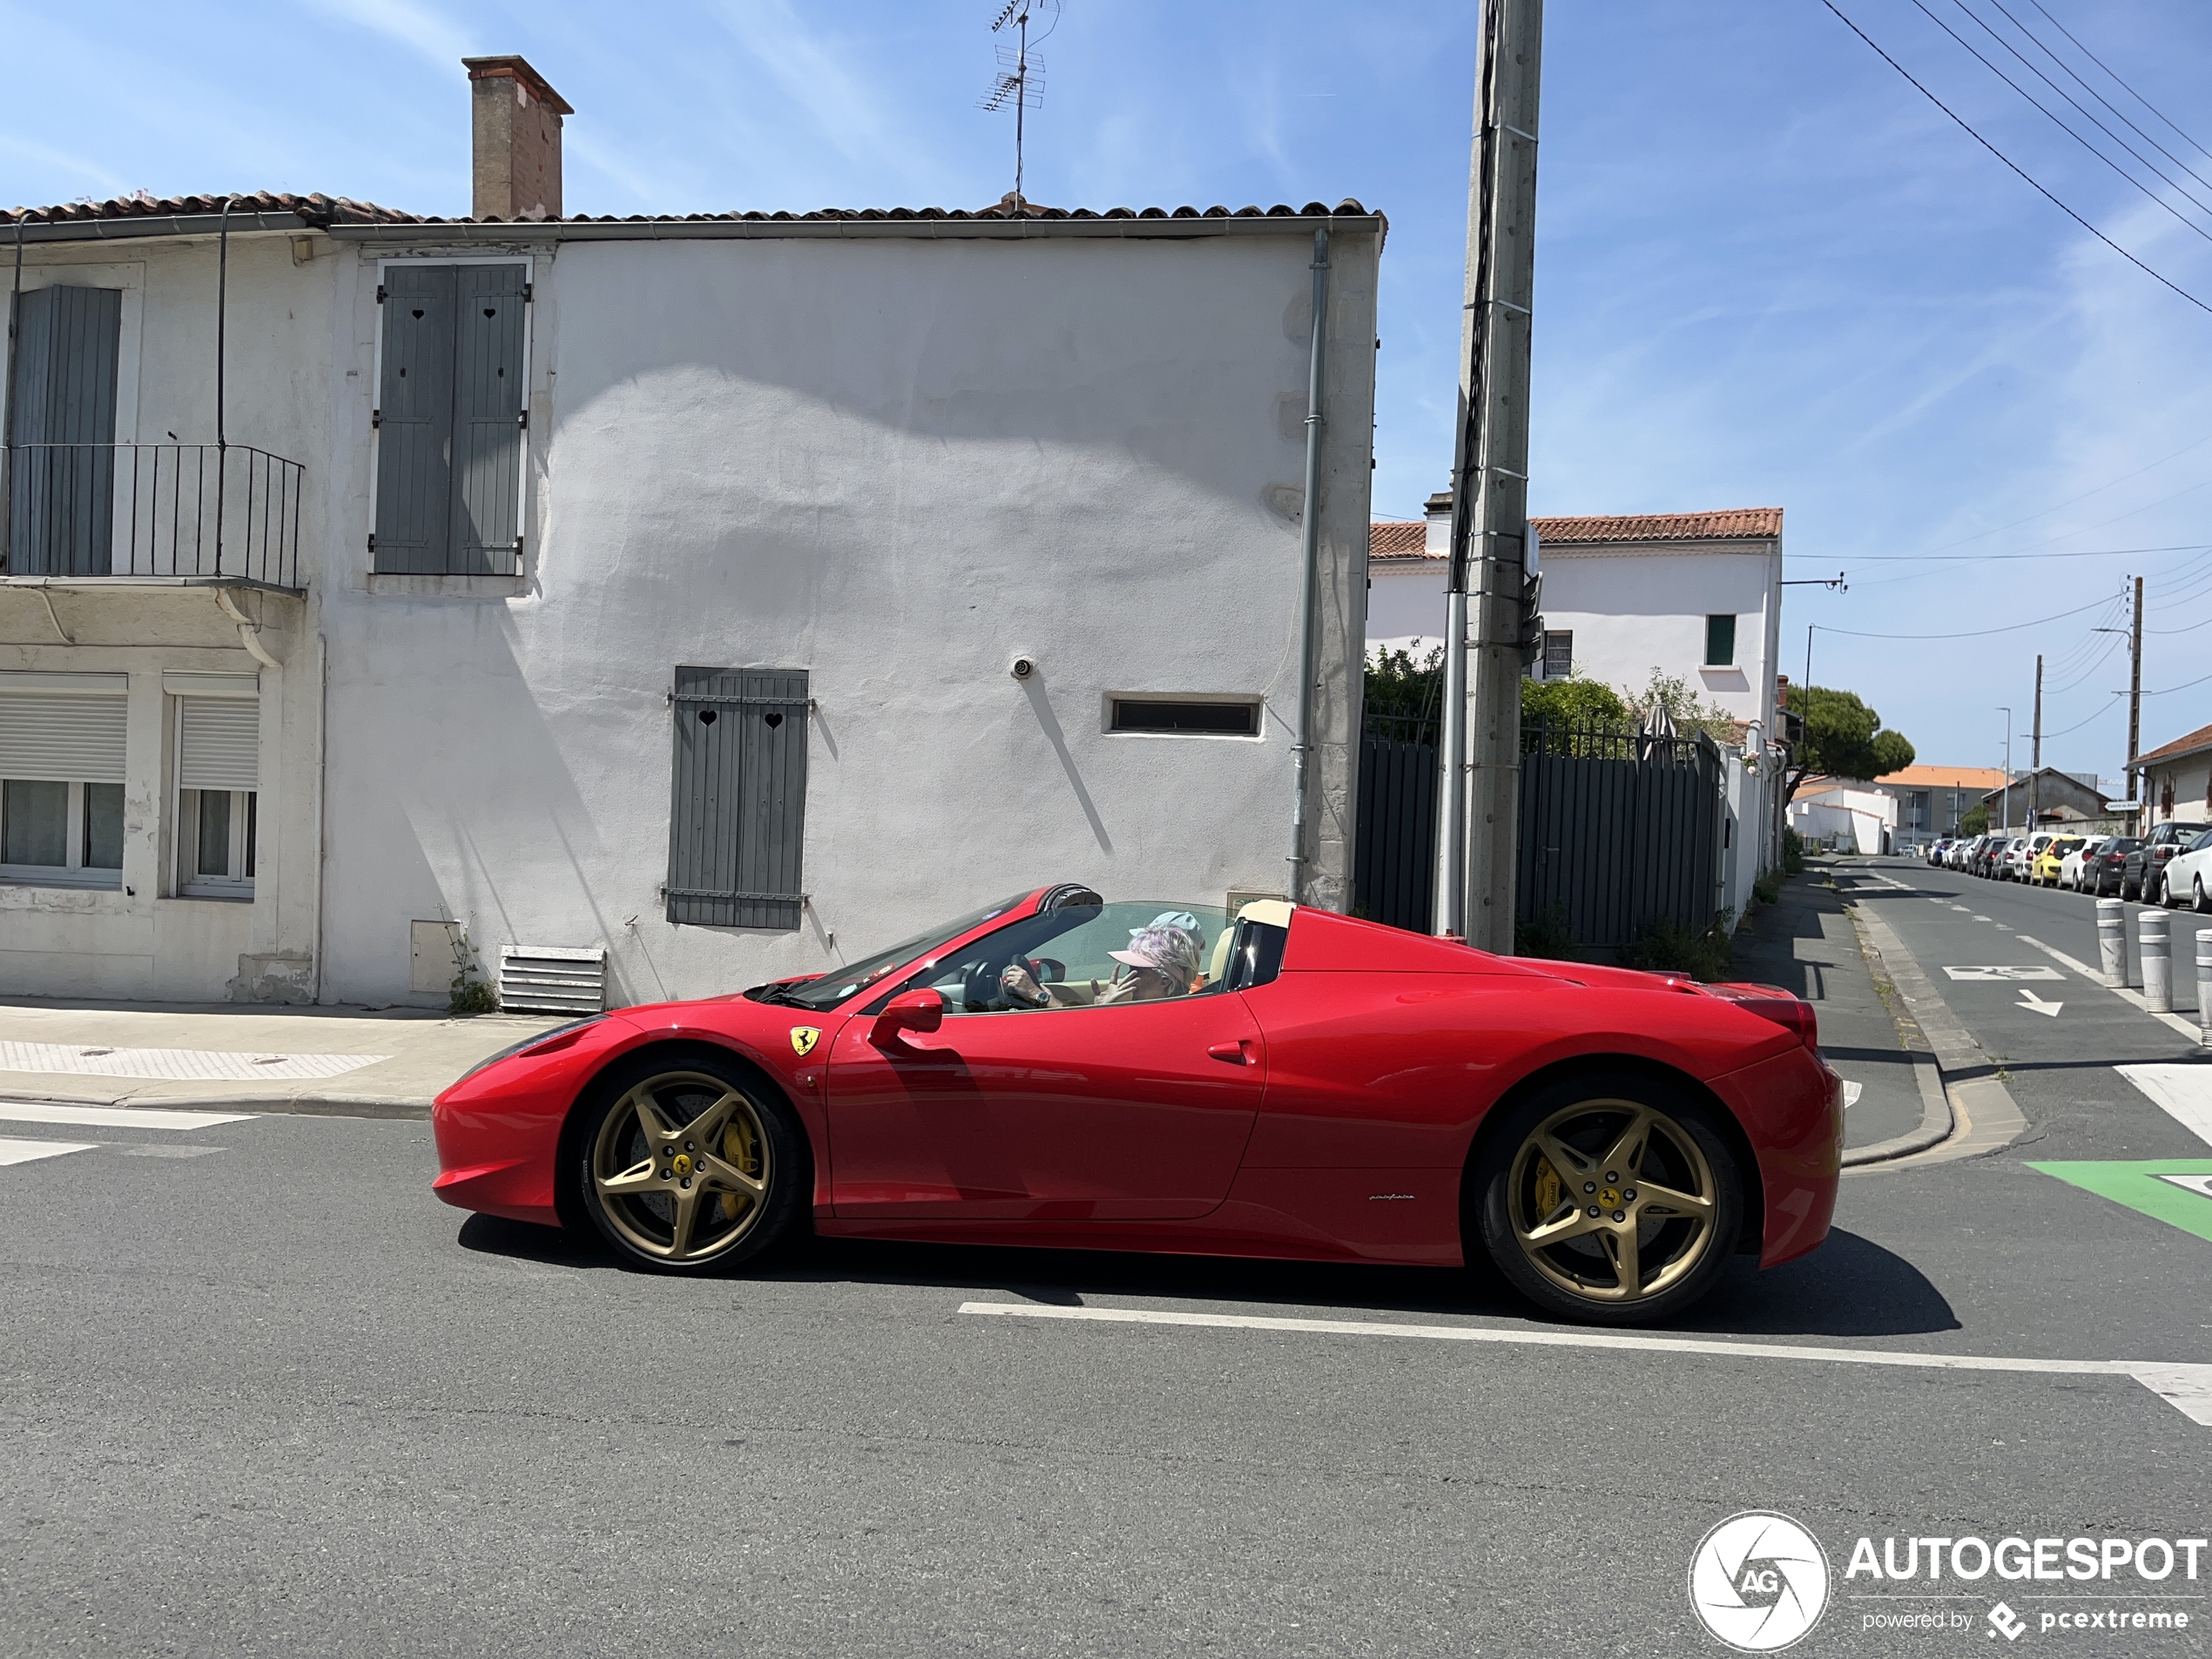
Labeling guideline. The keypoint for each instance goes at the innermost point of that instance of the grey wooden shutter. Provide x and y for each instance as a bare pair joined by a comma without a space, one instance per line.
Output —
218,743
414,431
61,487
738,815
487,396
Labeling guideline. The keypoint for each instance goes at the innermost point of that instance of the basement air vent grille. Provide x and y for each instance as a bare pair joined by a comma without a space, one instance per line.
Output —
548,979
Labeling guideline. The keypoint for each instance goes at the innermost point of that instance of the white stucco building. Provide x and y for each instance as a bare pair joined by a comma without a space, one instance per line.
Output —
655,587
1694,596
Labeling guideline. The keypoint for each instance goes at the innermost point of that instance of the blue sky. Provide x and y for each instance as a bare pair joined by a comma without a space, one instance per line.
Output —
1769,272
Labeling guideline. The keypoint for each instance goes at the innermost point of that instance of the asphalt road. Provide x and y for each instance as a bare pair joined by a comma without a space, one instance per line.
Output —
262,1394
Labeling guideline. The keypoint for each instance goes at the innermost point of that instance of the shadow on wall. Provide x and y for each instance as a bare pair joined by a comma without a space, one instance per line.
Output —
1048,723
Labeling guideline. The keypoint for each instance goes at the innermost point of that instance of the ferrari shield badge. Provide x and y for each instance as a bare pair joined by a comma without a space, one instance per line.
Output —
803,1039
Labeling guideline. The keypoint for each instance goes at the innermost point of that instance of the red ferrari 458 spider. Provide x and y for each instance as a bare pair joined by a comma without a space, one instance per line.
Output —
1058,1071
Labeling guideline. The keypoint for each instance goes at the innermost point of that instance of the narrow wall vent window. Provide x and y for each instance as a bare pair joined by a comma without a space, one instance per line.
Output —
61,779
738,813
219,746
1211,719
1558,654
1720,642
61,432
449,420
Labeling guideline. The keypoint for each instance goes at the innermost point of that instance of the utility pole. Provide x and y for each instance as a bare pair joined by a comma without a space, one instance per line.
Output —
2136,703
1489,589
2035,762
2008,714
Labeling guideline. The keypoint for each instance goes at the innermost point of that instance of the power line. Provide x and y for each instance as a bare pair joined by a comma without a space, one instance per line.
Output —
2047,511
2057,122
2074,75
1977,633
1978,558
2123,86
2009,162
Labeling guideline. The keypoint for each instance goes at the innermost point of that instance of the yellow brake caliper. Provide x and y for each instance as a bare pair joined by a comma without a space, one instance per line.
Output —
1548,1188
737,1147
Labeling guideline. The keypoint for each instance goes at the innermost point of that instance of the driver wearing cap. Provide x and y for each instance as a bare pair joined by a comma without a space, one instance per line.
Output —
1162,960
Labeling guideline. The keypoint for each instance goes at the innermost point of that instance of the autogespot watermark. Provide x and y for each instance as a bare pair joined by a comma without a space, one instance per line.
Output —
1760,1582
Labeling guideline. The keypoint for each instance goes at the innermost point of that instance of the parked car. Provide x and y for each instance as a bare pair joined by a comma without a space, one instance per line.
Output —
2187,876
1127,1112
2049,858
2077,857
2146,863
2103,870
2018,853
1976,859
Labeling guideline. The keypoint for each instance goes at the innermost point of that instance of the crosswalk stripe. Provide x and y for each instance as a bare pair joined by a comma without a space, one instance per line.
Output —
39,1111
30,1151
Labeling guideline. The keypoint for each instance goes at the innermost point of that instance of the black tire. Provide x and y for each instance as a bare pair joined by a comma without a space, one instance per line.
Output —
1582,1276
723,1175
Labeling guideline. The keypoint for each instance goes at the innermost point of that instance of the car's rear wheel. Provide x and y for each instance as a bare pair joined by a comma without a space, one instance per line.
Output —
1611,1198
2197,899
689,1163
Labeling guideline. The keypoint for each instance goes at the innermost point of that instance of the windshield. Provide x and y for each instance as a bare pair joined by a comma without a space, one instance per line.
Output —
834,988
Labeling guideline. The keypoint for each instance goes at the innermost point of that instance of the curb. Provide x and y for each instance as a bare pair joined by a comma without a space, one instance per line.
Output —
1979,1116
292,1105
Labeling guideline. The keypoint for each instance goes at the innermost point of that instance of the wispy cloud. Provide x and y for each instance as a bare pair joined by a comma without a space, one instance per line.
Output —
858,119
420,28
45,155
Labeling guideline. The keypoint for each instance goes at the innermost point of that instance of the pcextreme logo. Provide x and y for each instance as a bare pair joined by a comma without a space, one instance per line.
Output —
1759,1581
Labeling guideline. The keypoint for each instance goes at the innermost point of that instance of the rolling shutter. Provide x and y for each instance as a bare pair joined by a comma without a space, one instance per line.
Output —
487,418
218,743
61,487
737,818
414,419
52,732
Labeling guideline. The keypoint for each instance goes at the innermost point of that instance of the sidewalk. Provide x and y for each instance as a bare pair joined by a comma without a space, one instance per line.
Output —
350,1062
1808,944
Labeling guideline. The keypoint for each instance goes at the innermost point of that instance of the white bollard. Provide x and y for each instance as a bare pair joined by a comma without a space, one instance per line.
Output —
2112,941
2152,942
2204,987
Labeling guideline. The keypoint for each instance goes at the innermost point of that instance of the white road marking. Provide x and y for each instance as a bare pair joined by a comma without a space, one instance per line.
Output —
1981,918
1961,909
2188,1387
198,1065
30,1151
1851,1092
2029,1000
2200,1185
2008,975
2184,1092
150,1151
34,1111
2120,991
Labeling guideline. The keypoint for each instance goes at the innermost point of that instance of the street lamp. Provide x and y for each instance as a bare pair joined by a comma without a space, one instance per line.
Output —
2008,714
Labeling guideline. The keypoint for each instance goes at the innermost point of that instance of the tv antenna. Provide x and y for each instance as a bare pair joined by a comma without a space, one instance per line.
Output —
1019,82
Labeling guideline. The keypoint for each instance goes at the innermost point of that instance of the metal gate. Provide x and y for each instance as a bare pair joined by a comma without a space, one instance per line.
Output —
1617,830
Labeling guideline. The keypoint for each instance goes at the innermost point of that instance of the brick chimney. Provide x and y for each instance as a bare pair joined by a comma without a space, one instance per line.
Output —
515,121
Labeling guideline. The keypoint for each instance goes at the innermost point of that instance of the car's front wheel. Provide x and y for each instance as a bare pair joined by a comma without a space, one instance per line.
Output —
1610,1198
2198,899
689,1163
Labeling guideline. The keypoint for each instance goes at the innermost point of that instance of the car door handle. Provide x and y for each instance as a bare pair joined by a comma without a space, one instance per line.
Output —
1238,1053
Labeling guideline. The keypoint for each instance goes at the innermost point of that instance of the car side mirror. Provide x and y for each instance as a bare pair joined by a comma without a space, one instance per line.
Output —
908,1011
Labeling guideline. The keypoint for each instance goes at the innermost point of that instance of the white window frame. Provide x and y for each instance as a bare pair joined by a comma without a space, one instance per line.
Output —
1252,700
191,884
376,391
73,873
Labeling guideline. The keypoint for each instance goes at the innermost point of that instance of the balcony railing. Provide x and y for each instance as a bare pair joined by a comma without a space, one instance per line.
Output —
154,510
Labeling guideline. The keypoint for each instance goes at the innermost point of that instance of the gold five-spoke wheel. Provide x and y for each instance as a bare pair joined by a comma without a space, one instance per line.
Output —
681,1167
1612,1199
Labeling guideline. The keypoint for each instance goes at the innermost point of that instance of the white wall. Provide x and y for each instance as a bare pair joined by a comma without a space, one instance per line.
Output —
1854,820
896,463
1633,610
1405,606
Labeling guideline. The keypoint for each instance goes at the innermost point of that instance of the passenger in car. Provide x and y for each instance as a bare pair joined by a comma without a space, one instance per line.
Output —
1162,960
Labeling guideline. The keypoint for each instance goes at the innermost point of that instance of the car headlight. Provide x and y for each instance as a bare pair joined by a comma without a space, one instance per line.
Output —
542,1038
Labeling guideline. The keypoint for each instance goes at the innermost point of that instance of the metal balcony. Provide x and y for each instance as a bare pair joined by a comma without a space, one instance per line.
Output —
188,512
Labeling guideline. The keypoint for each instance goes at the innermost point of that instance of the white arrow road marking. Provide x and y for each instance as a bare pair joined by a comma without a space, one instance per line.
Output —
2197,1183
30,1151
2007,976
2184,1091
2029,1000
37,1111
2187,1387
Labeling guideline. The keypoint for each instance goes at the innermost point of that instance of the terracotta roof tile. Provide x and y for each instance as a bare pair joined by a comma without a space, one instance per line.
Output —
322,210
1387,539
1738,523
1946,778
2200,739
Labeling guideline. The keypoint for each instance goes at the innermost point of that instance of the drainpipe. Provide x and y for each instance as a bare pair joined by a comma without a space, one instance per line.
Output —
222,437
1310,559
7,438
